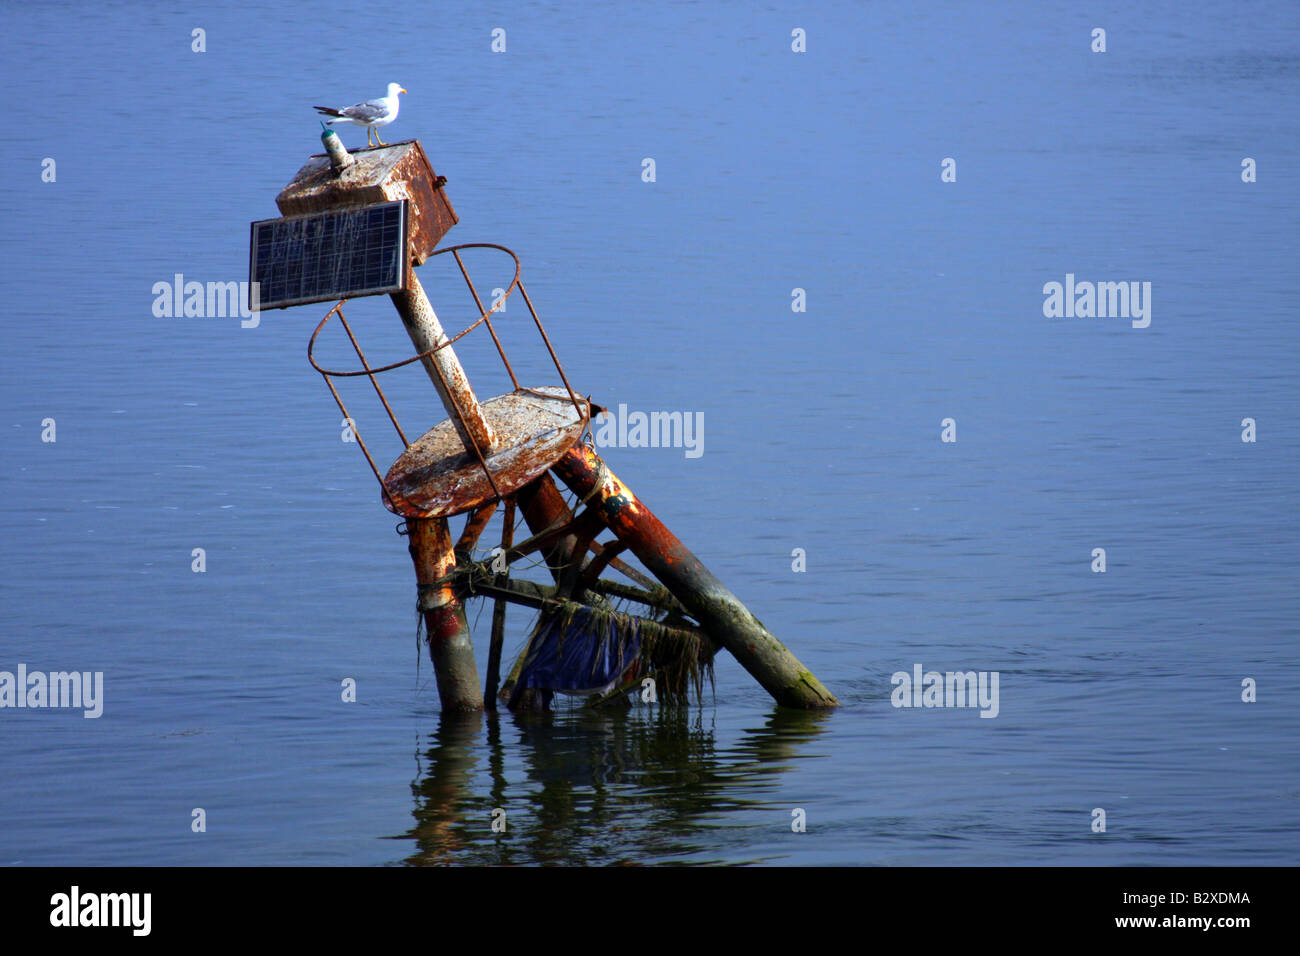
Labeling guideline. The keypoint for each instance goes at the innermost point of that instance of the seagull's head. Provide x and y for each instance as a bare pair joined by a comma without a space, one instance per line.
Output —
394,89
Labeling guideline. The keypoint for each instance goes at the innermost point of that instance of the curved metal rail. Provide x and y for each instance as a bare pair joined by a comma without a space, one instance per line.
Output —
403,507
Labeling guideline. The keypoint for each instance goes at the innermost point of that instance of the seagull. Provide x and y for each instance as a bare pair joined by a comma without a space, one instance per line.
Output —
370,114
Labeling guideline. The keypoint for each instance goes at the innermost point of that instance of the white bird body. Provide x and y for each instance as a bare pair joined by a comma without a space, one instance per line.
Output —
371,114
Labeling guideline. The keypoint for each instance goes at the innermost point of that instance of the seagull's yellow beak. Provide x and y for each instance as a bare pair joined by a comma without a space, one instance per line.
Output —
401,91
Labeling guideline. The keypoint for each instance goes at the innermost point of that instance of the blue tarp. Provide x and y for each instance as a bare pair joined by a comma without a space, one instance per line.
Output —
586,655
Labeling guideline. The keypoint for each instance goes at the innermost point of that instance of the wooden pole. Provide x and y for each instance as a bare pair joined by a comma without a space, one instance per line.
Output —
719,612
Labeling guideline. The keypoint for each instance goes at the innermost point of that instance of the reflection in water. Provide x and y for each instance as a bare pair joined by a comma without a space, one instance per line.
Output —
580,787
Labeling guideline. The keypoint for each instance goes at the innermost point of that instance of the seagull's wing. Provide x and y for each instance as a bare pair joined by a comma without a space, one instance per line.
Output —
366,112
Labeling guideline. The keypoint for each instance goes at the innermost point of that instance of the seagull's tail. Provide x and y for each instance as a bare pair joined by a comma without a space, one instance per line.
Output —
326,111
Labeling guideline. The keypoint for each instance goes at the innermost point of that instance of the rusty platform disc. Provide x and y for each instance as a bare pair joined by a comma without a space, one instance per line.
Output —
435,477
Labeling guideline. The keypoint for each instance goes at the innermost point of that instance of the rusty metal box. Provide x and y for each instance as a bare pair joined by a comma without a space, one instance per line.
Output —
383,174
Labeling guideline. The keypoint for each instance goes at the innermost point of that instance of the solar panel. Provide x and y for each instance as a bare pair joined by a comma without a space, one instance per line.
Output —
319,257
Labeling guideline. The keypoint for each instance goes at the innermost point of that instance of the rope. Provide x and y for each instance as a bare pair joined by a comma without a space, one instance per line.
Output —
602,478
444,595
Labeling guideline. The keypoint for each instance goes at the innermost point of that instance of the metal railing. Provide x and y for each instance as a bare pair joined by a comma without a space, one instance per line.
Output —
404,508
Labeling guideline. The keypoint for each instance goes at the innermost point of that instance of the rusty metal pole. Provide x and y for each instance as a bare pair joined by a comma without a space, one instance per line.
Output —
719,612
444,368
543,508
450,647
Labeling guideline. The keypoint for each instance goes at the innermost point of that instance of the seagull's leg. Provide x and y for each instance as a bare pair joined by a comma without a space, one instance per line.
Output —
381,142
369,130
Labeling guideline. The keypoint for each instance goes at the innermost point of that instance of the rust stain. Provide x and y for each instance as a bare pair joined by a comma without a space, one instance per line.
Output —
383,174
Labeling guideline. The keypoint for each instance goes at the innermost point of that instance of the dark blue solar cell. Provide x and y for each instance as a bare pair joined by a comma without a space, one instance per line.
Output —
340,254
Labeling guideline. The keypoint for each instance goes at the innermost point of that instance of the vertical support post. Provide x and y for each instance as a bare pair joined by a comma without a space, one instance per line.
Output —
499,614
719,612
444,368
450,646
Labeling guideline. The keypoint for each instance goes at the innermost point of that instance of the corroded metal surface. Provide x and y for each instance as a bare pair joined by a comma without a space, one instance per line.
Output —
450,646
436,477
395,171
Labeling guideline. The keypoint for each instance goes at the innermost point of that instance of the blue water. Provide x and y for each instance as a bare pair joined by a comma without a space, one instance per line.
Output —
775,170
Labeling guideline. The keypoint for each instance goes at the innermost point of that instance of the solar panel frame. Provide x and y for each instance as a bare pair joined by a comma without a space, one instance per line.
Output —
340,253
